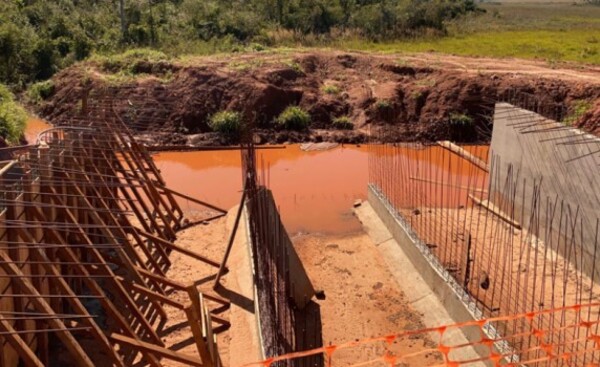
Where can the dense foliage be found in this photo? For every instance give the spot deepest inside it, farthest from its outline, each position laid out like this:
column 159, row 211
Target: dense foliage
column 12, row 117
column 39, row 37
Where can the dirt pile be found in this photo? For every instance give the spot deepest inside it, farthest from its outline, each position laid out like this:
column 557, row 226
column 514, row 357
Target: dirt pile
column 387, row 98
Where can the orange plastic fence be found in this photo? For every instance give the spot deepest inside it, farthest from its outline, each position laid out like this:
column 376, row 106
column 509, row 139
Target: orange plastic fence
column 470, row 344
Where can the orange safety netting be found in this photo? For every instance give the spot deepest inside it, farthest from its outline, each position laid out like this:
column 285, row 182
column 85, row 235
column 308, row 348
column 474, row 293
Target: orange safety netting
column 474, row 343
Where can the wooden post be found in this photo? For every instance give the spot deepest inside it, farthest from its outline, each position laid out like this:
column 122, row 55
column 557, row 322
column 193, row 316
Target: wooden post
column 194, row 314
column 231, row 237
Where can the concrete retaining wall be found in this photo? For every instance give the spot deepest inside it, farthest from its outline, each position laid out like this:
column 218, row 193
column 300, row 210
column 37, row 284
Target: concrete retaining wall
column 565, row 160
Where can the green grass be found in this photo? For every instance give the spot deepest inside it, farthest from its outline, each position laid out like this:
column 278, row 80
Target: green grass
column 129, row 61
column 529, row 16
column 330, row 89
column 293, row 118
column 572, row 45
column 226, row 122
column 552, row 32
column 342, row 123
column 576, row 110
column 382, row 104
column 460, row 119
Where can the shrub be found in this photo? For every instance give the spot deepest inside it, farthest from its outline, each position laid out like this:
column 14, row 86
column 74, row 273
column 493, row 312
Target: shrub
column 330, row 89
column 40, row 91
column 293, row 118
column 12, row 117
column 382, row 104
column 343, row 123
column 460, row 119
column 226, row 122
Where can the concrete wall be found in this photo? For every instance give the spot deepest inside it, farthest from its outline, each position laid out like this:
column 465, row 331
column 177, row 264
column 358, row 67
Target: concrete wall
column 459, row 305
column 565, row 161
column 276, row 327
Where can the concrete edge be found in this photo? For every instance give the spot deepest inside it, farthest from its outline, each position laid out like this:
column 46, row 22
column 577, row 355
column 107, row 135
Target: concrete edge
column 254, row 289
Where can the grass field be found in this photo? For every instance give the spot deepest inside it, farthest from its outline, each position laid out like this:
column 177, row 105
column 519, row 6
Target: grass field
column 551, row 32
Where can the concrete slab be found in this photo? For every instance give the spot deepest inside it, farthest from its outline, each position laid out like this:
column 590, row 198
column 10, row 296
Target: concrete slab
column 421, row 295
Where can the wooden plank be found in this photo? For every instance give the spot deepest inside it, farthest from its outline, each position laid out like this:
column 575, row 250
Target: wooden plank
column 195, row 319
column 197, row 201
column 7, row 167
column 466, row 188
column 170, row 282
column 156, row 296
column 197, row 333
column 135, row 208
column 174, row 247
column 464, row 154
column 25, row 353
column 73, row 300
column 154, row 349
column 68, row 255
column 182, row 287
column 238, row 217
column 208, row 331
column 126, row 260
column 496, row 211
column 152, row 193
column 40, row 304
column 132, row 253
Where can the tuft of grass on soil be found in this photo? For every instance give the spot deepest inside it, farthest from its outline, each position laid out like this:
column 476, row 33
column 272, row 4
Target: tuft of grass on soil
column 134, row 65
column 226, row 122
column 293, row 118
column 460, row 119
column 13, row 117
column 342, row 123
column 246, row 65
column 294, row 65
column 382, row 104
column 330, row 89
column 578, row 108
column 129, row 61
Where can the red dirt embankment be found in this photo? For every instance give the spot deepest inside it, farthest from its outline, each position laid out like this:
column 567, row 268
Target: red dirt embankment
column 417, row 98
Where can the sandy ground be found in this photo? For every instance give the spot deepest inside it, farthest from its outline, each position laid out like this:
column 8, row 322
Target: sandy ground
column 208, row 240
column 362, row 298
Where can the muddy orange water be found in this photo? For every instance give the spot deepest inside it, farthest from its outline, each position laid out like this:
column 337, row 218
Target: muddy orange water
column 414, row 176
column 314, row 190
column 34, row 127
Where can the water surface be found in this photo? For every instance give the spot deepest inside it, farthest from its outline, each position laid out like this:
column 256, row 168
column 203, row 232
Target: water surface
column 314, row 190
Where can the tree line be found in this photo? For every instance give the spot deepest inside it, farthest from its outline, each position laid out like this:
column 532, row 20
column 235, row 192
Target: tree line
column 39, row 37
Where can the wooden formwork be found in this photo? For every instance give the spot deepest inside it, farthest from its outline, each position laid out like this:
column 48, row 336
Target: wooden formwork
column 86, row 228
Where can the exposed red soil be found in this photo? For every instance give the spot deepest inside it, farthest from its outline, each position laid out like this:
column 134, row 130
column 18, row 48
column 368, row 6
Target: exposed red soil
column 414, row 97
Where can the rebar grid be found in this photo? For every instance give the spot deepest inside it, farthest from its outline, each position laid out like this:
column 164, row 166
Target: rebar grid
column 473, row 220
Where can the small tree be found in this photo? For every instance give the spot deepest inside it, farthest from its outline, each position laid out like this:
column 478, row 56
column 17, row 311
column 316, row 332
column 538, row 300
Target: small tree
column 123, row 21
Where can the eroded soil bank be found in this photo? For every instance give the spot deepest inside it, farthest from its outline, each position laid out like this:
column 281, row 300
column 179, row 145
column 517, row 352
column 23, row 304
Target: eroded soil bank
column 412, row 98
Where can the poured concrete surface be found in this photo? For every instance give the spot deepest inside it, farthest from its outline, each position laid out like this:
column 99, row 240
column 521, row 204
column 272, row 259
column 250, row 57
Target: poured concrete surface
column 244, row 338
column 417, row 290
